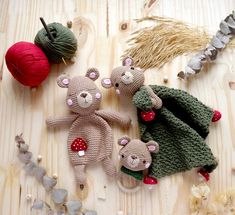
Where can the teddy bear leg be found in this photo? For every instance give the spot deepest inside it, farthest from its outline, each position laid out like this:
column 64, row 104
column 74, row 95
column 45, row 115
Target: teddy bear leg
column 80, row 174
column 109, row 167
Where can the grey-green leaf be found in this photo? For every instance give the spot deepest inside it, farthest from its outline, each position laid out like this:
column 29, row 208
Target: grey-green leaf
column 37, row 204
column 48, row 182
column 29, row 167
column 223, row 38
column 23, row 147
column 195, row 64
column 59, row 196
column 224, row 27
column 25, row 157
column 73, row 207
column 217, row 43
column 39, row 172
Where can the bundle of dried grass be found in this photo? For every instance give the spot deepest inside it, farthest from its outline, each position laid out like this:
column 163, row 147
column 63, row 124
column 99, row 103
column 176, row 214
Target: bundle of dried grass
column 155, row 46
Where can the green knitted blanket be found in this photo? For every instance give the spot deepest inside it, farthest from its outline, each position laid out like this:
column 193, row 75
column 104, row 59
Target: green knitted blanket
column 180, row 127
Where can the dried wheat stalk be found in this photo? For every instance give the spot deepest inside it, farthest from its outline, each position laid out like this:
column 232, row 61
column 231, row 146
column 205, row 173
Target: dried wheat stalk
column 155, row 46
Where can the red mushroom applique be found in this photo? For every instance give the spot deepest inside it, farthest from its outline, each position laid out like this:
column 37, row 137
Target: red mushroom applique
column 79, row 145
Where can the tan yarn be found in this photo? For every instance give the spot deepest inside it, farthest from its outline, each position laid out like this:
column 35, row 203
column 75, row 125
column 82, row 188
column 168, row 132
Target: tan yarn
column 155, row 46
column 89, row 123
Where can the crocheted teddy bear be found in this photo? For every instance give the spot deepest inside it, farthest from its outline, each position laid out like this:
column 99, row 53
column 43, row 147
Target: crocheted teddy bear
column 90, row 137
column 177, row 121
column 135, row 154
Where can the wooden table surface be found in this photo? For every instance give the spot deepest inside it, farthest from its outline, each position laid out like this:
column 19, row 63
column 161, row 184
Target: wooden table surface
column 25, row 110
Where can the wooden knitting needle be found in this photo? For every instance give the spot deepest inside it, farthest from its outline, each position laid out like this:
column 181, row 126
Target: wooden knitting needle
column 47, row 30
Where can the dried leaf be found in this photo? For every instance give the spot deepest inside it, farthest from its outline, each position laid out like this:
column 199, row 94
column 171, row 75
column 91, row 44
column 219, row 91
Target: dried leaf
column 19, row 139
column 23, row 147
column 210, row 52
column 25, row 157
column 59, row 196
column 217, row 43
column 189, row 71
column 48, row 183
column 90, row 212
column 37, row 204
column 201, row 191
column 181, row 75
column 231, row 23
column 39, row 172
column 195, row 64
column 29, row 167
column 224, row 28
column 223, row 38
column 73, row 207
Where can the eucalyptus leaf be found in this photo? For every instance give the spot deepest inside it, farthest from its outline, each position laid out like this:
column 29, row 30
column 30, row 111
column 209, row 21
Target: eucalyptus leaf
column 25, row 157
column 29, row 167
column 231, row 24
column 39, row 172
column 181, row 75
column 217, row 43
column 37, row 204
column 223, row 38
column 73, row 207
column 23, row 147
column 211, row 52
column 233, row 14
column 59, row 196
column 189, row 71
column 195, row 64
column 48, row 182
column 224, row 27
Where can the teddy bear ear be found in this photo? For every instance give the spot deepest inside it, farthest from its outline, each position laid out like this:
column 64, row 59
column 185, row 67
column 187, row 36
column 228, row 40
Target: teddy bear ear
column 123, row 140
column 152, row 146
column 92, row 73
column 63, row 81
column 127, row 61
column 106, row 83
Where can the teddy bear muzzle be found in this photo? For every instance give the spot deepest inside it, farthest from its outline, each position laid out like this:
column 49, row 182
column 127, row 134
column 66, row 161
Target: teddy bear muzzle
column 133, row 161
column 127, row 78
column 84, row 99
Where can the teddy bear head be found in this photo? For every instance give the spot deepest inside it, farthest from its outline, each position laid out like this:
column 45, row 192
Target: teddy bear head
column 135, row 154
column 83, row 96
column 125, row 79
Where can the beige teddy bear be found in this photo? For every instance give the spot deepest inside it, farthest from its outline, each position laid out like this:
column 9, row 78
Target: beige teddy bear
column 90, row 137
column 135, row 154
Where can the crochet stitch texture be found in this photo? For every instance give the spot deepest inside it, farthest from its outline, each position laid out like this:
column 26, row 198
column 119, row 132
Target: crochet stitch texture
column 180, row 128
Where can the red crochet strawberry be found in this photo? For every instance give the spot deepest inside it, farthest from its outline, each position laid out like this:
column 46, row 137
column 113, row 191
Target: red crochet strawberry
column 216, row 117
column 148, row 116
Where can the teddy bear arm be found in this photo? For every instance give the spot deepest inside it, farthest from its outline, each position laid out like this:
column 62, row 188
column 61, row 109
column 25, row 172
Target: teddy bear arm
column 156, row 101
column 60, row 121
column 112, row 116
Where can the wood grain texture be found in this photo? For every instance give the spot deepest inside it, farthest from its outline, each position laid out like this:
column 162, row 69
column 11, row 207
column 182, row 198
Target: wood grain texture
column 25, row 110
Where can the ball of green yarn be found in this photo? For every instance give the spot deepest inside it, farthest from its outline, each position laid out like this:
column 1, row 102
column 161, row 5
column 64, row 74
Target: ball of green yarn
column 62, row 48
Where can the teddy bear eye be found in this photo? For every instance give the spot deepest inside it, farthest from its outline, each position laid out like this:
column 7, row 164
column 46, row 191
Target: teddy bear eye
column 132, row 68
column 117, row 85
column 122, row 156
column 144, row 161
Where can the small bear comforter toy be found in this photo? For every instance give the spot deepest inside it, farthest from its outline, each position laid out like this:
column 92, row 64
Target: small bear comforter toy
column 90, row 137
column 177, row 121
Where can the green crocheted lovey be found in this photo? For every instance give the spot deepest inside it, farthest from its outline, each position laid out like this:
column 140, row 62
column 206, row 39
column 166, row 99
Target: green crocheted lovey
column 180, row 128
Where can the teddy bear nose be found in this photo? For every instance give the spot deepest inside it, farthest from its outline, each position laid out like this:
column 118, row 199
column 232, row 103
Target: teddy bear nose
column 133, row 157
column 83, row 95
